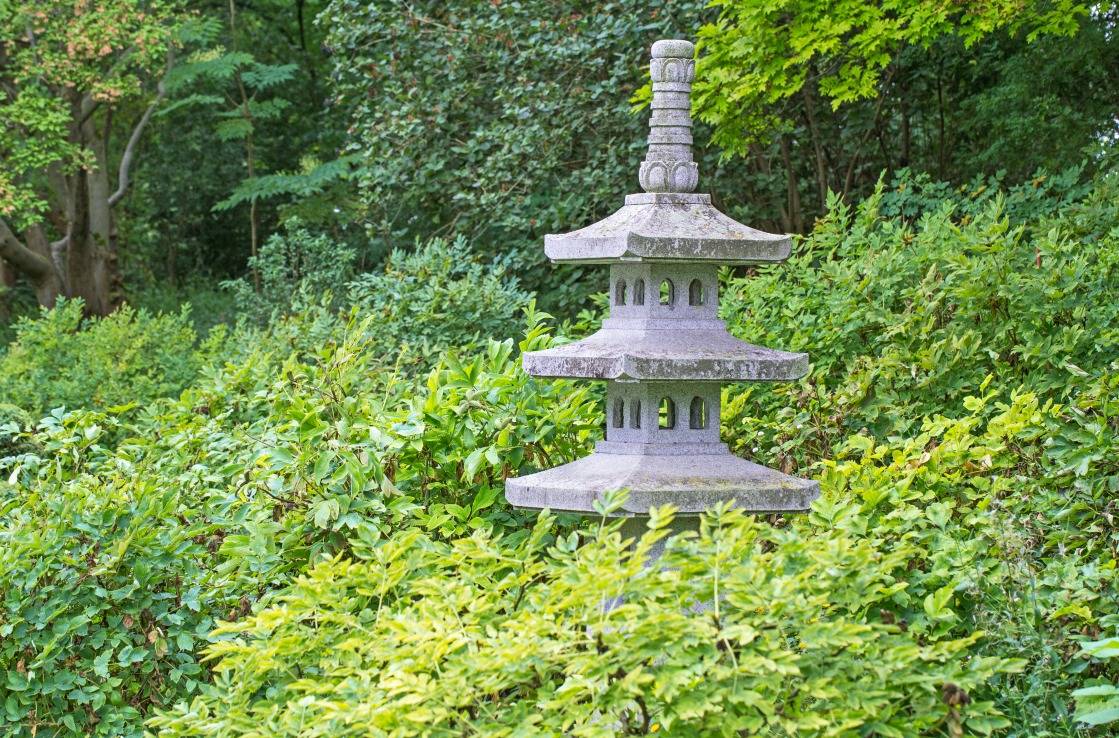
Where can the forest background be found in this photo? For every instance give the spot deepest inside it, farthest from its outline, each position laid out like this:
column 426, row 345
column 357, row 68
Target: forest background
column 265, row 270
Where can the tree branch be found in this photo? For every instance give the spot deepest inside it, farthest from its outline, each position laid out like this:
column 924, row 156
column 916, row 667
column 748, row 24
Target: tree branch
column 133, row 141
column 22, row 258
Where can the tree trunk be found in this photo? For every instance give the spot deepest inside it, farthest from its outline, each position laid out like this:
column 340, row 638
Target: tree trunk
column 32, row 257
column 793, row 190
column 822, row 183
column 940, row 163
column 49, row 286
column 7, row 281
column 903, row 160
column 89, row 259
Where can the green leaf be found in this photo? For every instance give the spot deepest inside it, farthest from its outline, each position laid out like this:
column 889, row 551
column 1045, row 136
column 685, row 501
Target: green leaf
column 325, row 512
column 1099, row 717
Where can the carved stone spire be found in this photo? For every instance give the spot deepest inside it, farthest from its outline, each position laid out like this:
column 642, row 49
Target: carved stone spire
column 668, row 165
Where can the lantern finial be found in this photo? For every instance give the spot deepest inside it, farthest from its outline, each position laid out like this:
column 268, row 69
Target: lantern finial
column 668, row 165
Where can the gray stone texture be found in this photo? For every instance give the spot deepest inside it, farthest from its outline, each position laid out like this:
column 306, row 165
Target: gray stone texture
column 693, row 484
column 664, row 324
column 668, row 227
column 663, row 349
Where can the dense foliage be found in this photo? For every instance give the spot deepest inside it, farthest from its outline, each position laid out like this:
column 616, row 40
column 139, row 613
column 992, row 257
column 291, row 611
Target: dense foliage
column 189, row 133
column 147, row 524
column 496, row 121
column 487, row 637
column 823, row 97
column 345, row 517
column 277, row 510
column 129, row 357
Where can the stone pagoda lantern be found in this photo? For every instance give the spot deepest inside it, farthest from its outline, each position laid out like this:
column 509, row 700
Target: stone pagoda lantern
column 663, row 350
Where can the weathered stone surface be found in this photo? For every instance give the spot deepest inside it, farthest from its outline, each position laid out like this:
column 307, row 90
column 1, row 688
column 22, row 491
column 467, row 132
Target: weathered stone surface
column 693, row 484
column 668, row 226
column 691, row 355
column 662, row 418
column 669, row 165
column 672, row 47
column 664, row 349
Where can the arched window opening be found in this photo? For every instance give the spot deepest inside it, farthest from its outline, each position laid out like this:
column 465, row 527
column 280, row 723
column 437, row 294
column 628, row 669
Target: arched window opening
column 697, row 414
column 620, row 292
column 667, row 414
column 639, row 292
column 619, row 413
column 635, row 413
column 695, row 293
column 668, row 293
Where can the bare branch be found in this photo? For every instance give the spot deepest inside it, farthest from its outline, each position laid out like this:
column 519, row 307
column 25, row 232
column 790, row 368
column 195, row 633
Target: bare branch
column 137, row 132
column 35, row 266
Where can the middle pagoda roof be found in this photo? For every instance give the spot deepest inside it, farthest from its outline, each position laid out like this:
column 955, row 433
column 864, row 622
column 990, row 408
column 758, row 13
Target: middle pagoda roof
column 695, row 355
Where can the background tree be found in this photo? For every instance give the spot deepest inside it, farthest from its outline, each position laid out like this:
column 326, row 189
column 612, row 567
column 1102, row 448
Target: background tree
column 192, row 232
column 832, row 94
column 236, row 90
column 79, row 82
column 497, row 121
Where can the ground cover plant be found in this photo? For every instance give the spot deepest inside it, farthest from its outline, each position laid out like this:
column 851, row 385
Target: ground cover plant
column 311, row 538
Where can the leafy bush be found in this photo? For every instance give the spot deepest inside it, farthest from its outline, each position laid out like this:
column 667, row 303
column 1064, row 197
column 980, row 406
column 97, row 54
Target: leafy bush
column 125, row 534
column 962, row 416
column 499, row 121
column 1098, row 704
column 913, row 195
column 59, row 359
column 903, row 321
column 437, row 297
column 103, row 593
column 998, row 494
column 293, row 267
column 955, row 313
column 515, row 639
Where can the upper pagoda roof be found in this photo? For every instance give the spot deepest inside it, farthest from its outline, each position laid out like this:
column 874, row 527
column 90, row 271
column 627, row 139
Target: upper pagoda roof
column 668, row 227
column 668, row 221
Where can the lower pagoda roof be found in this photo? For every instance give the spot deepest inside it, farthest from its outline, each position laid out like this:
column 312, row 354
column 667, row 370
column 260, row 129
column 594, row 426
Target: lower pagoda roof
column 692, row 484
column 655, row 355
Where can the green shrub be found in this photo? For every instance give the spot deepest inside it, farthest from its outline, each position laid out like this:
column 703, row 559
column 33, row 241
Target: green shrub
column 59, row 359
column 437, row 297
column 293, row 267
column 483, row 637
column 962, row 415
column 912, row 195
column 210, row 303
column 103, row 592
column 1098, row 703
column 903, row 321
column 930, row 551
column 125, row 534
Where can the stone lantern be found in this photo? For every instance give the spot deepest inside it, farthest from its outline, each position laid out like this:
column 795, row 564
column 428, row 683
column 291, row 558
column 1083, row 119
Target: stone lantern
column 663, row 350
